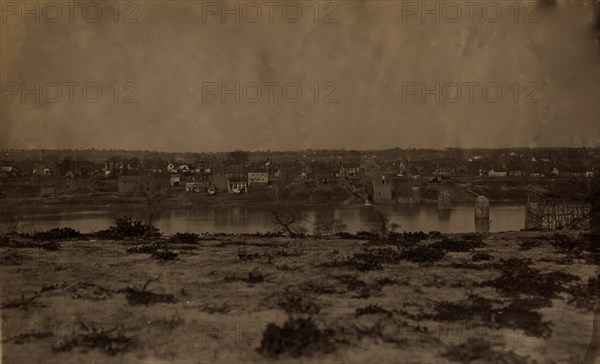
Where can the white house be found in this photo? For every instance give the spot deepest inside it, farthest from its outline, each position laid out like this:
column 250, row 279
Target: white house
column 259, row 178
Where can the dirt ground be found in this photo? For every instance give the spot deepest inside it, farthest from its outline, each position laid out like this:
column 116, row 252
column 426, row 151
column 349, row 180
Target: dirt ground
column 515, row 297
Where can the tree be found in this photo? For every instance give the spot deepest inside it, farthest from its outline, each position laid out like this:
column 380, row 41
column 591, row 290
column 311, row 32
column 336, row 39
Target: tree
column 380, row 224
column 66, row 165
column 238, row 156
column 287, row 220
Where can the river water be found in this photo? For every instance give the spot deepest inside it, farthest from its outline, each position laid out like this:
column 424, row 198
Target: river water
column 504, row 217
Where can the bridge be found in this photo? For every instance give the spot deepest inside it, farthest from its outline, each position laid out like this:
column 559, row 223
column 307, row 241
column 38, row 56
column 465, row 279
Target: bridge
column 355, row 192
column 555, row 213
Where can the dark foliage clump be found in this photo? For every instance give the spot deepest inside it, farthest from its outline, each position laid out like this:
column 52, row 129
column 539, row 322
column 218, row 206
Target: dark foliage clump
column 345, row 235
column 320, row 287
column 51, row 245
column 372, row 310
column 518, row 277
column 255, row 277
column 109, row 341
column 518, row 314
column 479, row 256
column 589, row 242
column 58, row 233
column 366, row 235
column 353, row 283
column 184, row 238
column 423, row 254
column 481, row 350
column 369, row 259
column 143, row 249
column 296, row 338
column 528, row 243
column 565, row 243
column 407, row 237
column 466, row 243
column 23, row 302
column 287, row 253
column 11, row 258
column 248, row 256
column 31, row 336
column 127, row 227
column 293, row 302
column 456, row 311
column 435, row 234
column 136, row 296
column 568, row 244
column 164, row 254
column 586, row 295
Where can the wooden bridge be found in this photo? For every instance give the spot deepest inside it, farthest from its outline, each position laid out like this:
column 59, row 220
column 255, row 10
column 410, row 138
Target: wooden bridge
column 355, row 192
column 543, row 212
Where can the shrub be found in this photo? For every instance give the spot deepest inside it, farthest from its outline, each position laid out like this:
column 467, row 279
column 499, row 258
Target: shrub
column 164, row 255
column 372, row 310
column 518, row 277
column 184, row 238
column 481, row 350
column 136, row 296
column 481, row 256
column 296, row 338
column 127, row 227
column 586, row 295
column 109, row 341
column 58, row 233
column 294, row 302
column 467, row 242
column 422, row 254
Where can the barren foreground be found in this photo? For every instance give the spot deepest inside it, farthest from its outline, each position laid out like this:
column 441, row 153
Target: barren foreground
column 517, row 297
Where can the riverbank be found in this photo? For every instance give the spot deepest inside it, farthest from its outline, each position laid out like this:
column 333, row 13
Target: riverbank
column 518, row 297
column 461, row 190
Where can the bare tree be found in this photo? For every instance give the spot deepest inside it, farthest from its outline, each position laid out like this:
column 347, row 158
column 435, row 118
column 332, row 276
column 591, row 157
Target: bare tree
column 288, row 220
column 11, row 218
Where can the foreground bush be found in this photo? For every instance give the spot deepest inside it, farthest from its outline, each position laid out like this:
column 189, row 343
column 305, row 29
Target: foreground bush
column 58, row 233
column 295, row 338
column 127, row 227
column 184, row 238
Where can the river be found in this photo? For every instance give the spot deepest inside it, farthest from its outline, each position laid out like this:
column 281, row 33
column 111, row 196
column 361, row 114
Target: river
column 504, row 217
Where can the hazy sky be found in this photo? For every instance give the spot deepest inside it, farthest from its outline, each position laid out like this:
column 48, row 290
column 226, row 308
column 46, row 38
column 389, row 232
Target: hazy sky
column 374, row 58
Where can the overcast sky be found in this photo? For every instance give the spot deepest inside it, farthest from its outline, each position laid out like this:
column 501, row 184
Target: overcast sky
column 369, row 59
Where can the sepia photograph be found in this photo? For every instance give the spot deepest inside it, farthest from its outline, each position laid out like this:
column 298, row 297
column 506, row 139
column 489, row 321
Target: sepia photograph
column 300, row 181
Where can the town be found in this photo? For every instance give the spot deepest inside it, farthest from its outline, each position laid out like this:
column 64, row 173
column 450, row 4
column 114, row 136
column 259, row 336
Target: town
column 410, row 176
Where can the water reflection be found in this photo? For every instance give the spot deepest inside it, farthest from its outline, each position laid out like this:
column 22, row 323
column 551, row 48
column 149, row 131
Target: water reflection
column 482, row 225
column 236, row 219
